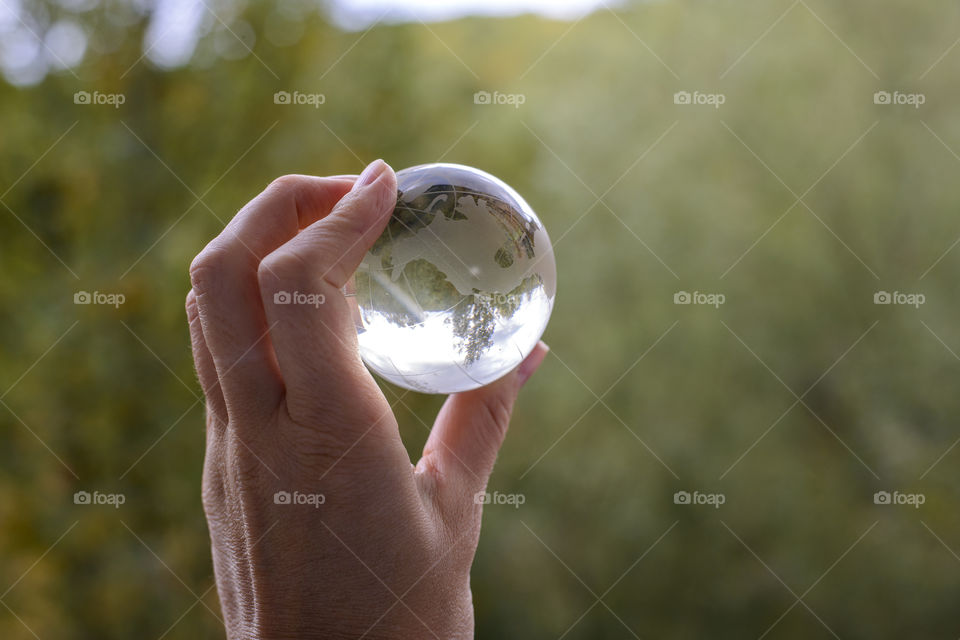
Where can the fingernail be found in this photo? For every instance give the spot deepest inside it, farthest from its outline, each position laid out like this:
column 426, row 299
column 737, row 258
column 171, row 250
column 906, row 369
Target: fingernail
column 373, row 171
column 532, row 362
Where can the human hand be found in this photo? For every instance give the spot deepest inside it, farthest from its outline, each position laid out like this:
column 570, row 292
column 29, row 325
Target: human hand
column 377, row 547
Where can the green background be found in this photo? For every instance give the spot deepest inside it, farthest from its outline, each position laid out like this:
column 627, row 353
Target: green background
column 797, row 399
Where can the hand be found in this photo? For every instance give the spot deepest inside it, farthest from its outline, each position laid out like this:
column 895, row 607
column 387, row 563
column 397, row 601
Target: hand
column 368, row 545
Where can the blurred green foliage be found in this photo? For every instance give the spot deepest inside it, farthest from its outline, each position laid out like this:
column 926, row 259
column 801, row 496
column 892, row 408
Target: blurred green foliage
column 641, row 397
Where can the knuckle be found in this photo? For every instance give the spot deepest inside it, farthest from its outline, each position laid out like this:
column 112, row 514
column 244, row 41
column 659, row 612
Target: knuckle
column 313, row 435
column 279, row 267
column 494, row 419
column 207, row 269
column 312, row 449
column 301, row 193
column 288, row 184
column 289, row 189
column 193, row 311
column 496, row 411
column 310, row 419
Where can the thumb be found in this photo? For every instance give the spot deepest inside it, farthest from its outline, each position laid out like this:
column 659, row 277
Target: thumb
column 320, row 259
column 339, row 241
column 471, row 426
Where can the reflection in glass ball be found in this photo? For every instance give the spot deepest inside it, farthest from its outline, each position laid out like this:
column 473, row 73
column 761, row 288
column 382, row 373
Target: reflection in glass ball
column 459, row 287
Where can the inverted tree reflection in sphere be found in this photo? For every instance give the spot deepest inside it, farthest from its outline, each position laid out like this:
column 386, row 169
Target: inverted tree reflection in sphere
column 459, row 287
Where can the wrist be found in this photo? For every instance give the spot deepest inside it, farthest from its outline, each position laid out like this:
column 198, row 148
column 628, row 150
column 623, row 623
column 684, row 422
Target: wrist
column 349, row 623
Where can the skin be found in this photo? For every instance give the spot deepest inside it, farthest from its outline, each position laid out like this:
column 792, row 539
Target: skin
column 380, row 547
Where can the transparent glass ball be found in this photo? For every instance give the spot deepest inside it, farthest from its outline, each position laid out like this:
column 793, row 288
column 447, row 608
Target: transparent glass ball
column 458, row 289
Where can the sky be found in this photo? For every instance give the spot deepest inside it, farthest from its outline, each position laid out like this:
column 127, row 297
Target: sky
column 360, row 13
column 31, row 46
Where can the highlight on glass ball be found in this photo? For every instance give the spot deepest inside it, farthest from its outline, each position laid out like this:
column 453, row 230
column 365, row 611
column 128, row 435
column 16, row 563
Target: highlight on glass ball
column 459, row 287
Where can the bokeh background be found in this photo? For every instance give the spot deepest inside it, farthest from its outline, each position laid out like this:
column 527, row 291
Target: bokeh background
column 798, row 199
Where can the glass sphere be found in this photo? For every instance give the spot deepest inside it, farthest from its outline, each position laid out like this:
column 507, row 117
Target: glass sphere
column 458, row 289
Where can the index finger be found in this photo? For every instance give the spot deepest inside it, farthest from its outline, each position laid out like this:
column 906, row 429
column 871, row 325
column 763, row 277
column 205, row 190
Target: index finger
column 224, row 279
